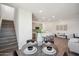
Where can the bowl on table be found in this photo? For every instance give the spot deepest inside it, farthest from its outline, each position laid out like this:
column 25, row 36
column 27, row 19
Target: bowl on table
column 49, row 48
column 30, row 48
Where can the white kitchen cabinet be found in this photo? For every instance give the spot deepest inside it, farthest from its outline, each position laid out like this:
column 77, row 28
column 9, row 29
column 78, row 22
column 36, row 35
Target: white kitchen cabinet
column 7, row 12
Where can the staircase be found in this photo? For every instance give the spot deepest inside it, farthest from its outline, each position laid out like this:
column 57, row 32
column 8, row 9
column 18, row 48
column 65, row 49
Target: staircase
column 8, row 41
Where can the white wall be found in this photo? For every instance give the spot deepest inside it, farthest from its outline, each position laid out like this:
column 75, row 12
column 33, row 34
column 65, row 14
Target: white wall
column 23, row 25
column 47, row 26
column 72, row 25
column 7, row 12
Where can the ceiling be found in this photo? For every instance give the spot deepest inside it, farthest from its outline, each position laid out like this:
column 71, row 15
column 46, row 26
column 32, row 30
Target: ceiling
column 50, row 11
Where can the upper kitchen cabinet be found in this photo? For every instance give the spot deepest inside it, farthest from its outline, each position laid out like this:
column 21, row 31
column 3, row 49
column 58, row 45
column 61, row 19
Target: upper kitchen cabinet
column 7, row 12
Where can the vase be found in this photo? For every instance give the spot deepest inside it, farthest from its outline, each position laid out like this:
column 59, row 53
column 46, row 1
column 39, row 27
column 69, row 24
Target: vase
column 39, row 39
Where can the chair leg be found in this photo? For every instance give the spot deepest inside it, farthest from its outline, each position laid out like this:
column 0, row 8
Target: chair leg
column 15, row 53
column 65, row 54
column 68, row 51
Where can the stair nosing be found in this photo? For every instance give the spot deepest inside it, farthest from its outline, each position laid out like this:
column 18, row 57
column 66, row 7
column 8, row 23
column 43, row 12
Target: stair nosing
column 8, row 44
column 2, row 38
column 8, row 41
column 8, row 48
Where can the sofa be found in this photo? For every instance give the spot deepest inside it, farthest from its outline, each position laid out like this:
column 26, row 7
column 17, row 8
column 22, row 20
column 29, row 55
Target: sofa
column 61, row 35
column 73, row 45
column 69, row 35
column 64, row 35
column 76, row 35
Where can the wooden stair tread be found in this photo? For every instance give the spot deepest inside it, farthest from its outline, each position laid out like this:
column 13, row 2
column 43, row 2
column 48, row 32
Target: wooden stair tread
column 12, row 48
column 7, row 41
column 8, row 37
column 7, row 44
column 6, row 50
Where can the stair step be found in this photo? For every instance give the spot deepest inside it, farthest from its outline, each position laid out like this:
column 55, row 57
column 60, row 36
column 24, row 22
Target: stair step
column 7, row 42
column 8, row 49
column 7, row 54
column 7, row 38
column 8, row 45
column 7, row 34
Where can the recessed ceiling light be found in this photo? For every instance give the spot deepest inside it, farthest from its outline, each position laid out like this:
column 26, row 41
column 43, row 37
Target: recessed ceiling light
column 40, row 11
column 53, row 16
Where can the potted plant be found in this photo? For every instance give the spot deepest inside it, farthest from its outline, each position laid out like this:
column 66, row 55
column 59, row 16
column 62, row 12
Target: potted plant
column 39, row 32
